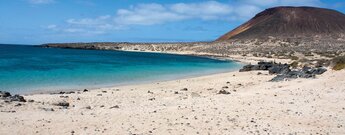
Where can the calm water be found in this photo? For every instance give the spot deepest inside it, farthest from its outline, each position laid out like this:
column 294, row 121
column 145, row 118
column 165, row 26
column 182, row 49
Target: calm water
column 24, row 69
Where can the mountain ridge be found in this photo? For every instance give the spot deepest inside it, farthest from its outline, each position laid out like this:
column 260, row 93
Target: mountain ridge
column 290, row 22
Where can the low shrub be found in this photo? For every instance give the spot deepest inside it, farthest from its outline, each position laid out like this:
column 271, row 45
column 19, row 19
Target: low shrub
column 339, row 63
column 294, row 58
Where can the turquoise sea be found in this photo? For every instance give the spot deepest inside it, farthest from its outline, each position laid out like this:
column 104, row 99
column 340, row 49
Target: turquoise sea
column 26, row 69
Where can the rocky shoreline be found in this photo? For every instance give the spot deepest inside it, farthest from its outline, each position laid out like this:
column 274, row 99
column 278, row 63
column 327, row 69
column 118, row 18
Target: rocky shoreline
column 284, row 71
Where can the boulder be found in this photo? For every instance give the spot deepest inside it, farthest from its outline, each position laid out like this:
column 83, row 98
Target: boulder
column 17, row 98
column 279, row 69
column 224, row 92
column 4, row 94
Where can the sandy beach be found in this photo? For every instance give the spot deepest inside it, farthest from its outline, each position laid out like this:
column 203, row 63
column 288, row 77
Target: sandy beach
column 189, row 106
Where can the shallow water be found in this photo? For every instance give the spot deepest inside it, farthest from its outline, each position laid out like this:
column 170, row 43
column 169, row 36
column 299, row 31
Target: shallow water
column 24, row 69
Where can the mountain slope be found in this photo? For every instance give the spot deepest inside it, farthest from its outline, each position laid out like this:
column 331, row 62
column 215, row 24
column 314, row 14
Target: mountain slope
column 290, row 22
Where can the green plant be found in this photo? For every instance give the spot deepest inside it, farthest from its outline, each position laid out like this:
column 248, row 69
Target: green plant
column 339, row 63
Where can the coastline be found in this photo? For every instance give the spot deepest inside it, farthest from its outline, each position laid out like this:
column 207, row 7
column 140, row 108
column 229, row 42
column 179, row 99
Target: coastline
column 243, row 60
column 241, row 63
column 193, row 105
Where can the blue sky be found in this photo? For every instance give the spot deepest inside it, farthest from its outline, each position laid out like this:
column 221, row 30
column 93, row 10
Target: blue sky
column 45, row 21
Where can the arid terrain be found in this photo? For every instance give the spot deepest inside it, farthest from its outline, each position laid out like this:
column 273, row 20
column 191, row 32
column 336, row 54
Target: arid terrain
column 233, row 103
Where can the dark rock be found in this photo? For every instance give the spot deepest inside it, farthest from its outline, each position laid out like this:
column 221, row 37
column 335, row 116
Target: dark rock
column 278, row 78
column 225, row 87
column 19, row 104
column 88, row 107
column 279, row 69
column 316, row 71
column 116, row 106
column 63, row 96
column 85, row 90
column 4, row 94
column 99, row 94
column 63, row 104
column 293, row 75
column 176, row 92
column 223, row 92
column 17, row 98
column 70, row 92
column 283, row 71
column 259, row 66
column 30, row 100
column 48, row 109
column 247, row 68
column 184, row 89
column 9, row 111
column 151, row 99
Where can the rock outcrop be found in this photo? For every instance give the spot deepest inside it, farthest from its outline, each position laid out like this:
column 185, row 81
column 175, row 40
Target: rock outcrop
column 284, row 71
column 7, row 97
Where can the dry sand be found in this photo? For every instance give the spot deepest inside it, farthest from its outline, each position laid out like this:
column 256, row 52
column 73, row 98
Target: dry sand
column 254, row 106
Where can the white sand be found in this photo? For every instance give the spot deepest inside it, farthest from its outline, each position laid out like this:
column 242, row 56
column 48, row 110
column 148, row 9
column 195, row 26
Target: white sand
column 255, row 106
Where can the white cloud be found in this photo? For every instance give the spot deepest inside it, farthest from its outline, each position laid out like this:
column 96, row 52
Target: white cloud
column 146, row 14
column 52, row 26
column 41, row 1
column 204, row 10
column 154, row 13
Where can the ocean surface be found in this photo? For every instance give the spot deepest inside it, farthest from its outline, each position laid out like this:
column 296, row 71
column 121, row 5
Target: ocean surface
column 27, row 69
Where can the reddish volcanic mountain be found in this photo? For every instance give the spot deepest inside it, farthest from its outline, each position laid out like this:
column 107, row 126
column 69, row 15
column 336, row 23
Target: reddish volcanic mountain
column 289, row 22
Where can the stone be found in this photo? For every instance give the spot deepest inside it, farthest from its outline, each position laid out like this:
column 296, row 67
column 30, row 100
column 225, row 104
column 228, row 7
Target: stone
column 116, row 106
column 279, row 69
column 63, row 104
column 184, row 89
column 85, row 90
column 4, row 94
column 283, row 71
column 48, row 109
column 17, row 98
column 223, row 92
column 88, row 107
column 70, row 92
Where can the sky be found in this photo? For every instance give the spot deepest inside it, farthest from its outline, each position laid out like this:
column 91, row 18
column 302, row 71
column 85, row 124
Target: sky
column 57, row 21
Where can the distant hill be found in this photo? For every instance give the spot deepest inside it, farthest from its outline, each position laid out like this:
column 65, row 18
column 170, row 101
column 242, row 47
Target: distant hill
column 291, row 22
